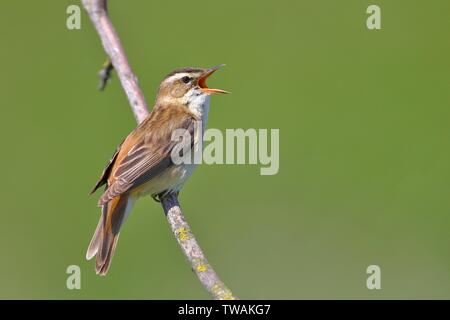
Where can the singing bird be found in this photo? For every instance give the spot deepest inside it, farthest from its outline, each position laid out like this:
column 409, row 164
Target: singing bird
column 142, row 164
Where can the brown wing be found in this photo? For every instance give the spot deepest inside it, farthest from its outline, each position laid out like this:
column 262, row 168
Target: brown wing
column 105, row 174
column 147, row 151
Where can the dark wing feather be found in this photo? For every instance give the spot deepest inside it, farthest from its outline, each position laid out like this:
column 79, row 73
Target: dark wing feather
column 151, row 153
column 105, row 174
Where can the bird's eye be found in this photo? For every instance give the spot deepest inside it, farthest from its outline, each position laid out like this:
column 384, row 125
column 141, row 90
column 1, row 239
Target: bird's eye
column 186, row 79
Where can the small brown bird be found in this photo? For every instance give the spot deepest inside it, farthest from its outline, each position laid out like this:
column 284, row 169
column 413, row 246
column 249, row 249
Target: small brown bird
column 142, row 165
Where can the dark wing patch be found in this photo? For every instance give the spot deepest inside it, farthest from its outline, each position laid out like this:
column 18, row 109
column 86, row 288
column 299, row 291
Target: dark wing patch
column 106, row 172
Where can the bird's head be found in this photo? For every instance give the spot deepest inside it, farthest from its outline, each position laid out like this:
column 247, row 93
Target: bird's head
column 184, row 85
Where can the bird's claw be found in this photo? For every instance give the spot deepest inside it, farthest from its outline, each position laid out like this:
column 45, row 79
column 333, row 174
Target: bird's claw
column 158, row 196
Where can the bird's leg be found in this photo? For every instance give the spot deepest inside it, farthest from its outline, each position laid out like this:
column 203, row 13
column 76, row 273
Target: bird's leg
column 158, row 196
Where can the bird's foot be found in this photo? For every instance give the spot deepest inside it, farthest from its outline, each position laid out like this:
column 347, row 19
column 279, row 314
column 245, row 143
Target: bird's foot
column 158, row 196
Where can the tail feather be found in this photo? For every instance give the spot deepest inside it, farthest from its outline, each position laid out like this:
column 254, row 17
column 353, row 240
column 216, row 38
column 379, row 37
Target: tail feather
column 97, row 237
column 103, row 261
column 105, row 238
column 95, row 241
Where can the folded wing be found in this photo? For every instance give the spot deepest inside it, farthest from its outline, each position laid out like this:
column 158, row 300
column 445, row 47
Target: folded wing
column 147, row 151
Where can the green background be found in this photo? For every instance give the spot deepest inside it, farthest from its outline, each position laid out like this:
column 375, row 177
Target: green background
column 364, row 149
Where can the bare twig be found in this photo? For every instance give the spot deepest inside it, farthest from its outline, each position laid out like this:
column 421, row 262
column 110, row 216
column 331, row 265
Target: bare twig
column 111, row 43
column 105, row 74
column 192, row 250
column 98, row 13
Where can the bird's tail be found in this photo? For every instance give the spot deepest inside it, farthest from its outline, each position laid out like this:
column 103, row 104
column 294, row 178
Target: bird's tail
column 106, row 234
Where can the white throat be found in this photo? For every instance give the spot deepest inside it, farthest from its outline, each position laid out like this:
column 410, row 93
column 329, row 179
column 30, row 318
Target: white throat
column 198, row 103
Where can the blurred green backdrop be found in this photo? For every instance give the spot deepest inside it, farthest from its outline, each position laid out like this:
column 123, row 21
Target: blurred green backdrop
column 364, row 164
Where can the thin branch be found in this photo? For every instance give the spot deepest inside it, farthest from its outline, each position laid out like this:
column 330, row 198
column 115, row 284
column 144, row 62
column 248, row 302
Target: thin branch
column 186, row 239
column 98, row 13
column 111, row 43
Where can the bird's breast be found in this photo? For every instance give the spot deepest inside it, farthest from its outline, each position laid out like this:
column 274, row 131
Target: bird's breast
column 171, row 178
column 176, row 175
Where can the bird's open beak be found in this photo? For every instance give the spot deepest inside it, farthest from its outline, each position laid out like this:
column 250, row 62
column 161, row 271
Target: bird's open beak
column 202, row 81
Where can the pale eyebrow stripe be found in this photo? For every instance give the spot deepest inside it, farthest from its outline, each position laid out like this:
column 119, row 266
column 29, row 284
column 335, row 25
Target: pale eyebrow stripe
column 177, row 76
